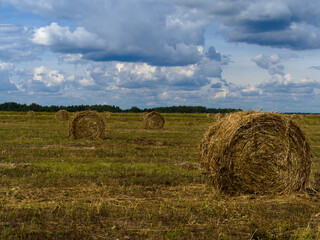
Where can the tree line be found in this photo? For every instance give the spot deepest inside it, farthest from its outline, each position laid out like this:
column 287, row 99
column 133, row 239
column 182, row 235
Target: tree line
column 12, row 106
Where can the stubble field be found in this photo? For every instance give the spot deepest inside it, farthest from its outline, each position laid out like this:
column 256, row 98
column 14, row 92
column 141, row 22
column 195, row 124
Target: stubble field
column 134, row 184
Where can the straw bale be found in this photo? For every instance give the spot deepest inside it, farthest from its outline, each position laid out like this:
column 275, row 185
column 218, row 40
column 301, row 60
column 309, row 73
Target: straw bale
column 208, row 115
column 31, row 114
column 143, row 115
column 87, row 124
column 253, row 152
column 153, row 120
column 106, row 115
column 62, row 115
column 297, row 117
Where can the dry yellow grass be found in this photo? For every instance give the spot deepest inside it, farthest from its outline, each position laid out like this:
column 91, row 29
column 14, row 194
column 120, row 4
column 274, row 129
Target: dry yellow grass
column 218, row 116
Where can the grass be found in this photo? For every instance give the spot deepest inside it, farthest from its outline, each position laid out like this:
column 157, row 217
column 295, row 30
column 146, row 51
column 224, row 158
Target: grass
column 134, row 184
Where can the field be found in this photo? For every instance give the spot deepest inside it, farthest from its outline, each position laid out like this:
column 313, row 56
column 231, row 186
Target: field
column 134, row 184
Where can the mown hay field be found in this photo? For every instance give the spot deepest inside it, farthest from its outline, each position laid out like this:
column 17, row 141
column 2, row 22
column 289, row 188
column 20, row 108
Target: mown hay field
column 135, row 184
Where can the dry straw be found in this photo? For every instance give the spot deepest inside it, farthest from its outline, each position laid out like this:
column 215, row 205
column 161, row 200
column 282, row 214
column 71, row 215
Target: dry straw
column 87, row 124
column 218, row 116
column 153, row 120
column 253, row 152
column 62, row 115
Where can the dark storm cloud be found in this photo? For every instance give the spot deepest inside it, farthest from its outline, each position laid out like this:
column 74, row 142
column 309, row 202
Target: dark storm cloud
column 170, row 33
column 156, row 32
column 292, row 24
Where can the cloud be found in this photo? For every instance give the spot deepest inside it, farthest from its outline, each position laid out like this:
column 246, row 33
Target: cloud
column 60, row 39
column 5, row 83
column 143, row 75
column 48, row 77
column 271, row 63
column 291, row 24
column 72, row 59
column 156, row 32
column 140, row 84
column 289, row 86
column 43, row 80
column 170, row 33
column 15, row 44
column 315, row 67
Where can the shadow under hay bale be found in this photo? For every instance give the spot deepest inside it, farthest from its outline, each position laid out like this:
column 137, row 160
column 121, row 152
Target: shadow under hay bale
column 62, row 115
column 153, row 120
column 253, row 152
column 87, row 124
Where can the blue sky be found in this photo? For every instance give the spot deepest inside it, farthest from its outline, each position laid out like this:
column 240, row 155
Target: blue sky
column 249, row 54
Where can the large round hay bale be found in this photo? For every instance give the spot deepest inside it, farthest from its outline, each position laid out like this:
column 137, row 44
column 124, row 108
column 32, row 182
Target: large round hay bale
column 31, row 114
column 153, row 120
column 253, row 152
column 62, row 115
column 87, row 124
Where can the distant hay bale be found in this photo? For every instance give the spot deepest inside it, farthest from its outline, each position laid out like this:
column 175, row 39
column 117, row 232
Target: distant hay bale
column 143, row 115
column 208, row 115
column 153, row 120
column 297, row 117
column 31, row 114
column 87, row 124
column 62, row 115
column 106, row 115
column 253, row 152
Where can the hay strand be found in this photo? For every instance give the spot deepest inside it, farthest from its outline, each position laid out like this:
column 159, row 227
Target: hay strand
column 218, row 116
column 62, row 115
column 153, row 120
column 253, row 152
column 87, row 124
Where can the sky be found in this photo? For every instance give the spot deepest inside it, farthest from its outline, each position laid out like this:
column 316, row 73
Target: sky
column 248, row 54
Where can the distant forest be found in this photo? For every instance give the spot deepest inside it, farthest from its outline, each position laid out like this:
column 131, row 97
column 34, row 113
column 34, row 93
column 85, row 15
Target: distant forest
column 12, row 106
